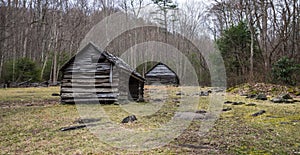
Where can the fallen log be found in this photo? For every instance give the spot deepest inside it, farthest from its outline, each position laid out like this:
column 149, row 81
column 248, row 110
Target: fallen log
column 72, row 128
column 259, row 113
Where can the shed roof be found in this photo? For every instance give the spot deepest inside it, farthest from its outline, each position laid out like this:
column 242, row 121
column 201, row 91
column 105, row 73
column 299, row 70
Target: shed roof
column 161, row 69
column 110, row 57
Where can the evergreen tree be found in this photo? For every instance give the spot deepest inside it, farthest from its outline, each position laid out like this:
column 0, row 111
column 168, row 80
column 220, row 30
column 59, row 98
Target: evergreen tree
column 234, row 45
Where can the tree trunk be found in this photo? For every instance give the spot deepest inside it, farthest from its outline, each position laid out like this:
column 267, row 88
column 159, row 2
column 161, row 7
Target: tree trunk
column 44, row 66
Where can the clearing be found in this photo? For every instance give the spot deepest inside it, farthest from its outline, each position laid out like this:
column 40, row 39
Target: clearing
column 31, row 119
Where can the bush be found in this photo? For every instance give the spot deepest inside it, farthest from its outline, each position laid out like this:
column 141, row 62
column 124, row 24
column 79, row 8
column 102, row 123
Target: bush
column 23, row 70
column 284, row 71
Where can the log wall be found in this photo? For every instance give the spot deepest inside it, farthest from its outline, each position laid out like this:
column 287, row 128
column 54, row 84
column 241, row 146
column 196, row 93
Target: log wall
column 91, row 77
column 161, row 74
column 87, row 80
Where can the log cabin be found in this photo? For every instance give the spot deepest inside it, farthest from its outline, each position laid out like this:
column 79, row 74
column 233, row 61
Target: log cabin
column 97, row 76
column 161, row 74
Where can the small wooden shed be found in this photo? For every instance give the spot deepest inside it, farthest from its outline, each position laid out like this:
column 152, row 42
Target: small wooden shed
column 161, row 74
column 94, row 75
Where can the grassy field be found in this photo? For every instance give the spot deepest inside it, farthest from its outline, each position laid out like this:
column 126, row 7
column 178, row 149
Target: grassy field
column 31, row 118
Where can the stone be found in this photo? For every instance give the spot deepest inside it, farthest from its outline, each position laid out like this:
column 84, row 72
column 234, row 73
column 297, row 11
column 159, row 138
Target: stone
column 283, row 99
column 227, row 109
column 261, row 97
column 238, row 103
column 259, row 113
column 251, row 104
column 128, row 119
column 201, row 111
column 228, row 102
column 289, row 101
column 157, row 100
column 251, row 96
column 277, row 100
column 176, row 101
column 179, row 93
column 55, row 94
column 286, row 96
column 204, row 93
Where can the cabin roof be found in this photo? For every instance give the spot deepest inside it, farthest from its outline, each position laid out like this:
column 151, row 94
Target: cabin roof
column 160, row 69
column 110, row 57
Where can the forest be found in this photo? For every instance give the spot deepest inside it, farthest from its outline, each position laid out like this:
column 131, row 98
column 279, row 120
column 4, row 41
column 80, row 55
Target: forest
column 259, row 39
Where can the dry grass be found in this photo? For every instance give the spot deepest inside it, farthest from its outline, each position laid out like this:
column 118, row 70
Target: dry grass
column 35, row 129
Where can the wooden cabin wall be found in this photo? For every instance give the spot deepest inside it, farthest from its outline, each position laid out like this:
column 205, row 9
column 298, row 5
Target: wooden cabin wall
column 161, row 74
column 130, row 88
column 85, row 80
column 123, row 85
column 167, row 80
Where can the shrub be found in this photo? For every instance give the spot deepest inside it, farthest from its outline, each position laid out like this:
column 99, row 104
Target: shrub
column 22, row 70
column 284, row 71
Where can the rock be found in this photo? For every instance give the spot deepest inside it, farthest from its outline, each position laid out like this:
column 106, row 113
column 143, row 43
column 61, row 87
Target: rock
column 128, row 119
column 228, row 102
column 277, row 100
column 289, row 101
column 176, row 101
column 218, row 89
column 284, row 122
column 55, row 94
column 179, row 93
column 251, row 104
column 286, row 96
column 261, row 97
column 251, row 96
column 227, row 109
column 238, row 103
column 204, row 93
column 283, row 99
column 259, row 113
column 157, row 100
column 34, row 84
column 296, row 100
column 201, row 112
column 244, row 95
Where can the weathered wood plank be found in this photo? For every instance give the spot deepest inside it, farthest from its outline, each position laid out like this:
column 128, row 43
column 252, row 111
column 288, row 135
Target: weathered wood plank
column 90, row 90
column 89, row 95
column 96, row 81
column 89, row 100
column 87, row 76
column 88, row 72
column 88, row 85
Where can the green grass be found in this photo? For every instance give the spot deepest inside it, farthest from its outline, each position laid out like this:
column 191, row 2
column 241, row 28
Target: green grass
column 19, row 96
column 34, row 129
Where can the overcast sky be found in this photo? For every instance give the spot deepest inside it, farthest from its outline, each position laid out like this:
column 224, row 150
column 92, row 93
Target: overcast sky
column 189, row 1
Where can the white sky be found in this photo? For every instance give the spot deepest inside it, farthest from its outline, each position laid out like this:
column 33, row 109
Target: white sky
column 189, row 1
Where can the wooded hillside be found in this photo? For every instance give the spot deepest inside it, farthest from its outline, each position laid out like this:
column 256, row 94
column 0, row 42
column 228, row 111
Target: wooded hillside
column 259, row 40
